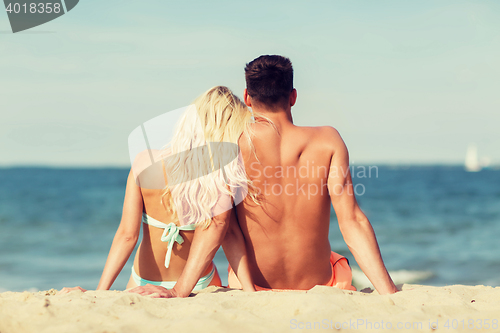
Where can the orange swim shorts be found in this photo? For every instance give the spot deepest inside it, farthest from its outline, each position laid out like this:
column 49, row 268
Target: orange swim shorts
column 341, row 275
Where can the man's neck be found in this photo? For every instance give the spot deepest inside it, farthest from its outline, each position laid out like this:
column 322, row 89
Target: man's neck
column 279, row 116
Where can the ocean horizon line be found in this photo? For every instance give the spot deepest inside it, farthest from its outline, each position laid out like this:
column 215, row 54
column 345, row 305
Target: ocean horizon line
column 122, row 166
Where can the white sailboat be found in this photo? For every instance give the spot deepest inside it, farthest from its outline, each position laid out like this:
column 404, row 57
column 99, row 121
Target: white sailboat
column 472, row 159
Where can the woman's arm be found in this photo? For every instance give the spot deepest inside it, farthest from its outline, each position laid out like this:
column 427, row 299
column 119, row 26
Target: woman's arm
column 236, row 253
column 126, row 236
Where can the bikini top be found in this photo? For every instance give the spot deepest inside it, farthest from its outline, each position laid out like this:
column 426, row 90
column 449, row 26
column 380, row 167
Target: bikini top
column 170, row 234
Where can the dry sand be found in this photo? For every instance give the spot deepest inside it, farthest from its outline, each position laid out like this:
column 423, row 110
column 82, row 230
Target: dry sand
column 414, row 309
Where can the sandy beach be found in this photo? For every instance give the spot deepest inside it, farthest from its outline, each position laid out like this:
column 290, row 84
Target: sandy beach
column 415, row 309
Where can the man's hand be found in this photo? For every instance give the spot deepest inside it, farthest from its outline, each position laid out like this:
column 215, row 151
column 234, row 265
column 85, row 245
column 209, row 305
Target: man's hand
column 66, row 290
column 154, row 291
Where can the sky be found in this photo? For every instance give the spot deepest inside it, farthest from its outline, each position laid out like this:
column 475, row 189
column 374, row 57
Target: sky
column 404, row 82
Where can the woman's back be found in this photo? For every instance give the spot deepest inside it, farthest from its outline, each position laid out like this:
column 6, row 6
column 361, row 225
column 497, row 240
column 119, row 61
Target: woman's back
column 150, row 259
column 159, row 234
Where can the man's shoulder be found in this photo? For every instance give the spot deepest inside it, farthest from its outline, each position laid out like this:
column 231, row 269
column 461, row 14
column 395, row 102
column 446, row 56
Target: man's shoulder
column 321, row 133
column 325, row 130
column 324, row 138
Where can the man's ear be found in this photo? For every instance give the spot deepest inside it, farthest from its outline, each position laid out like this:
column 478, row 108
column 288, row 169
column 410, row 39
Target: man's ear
column 247, row 98
column 293, row 97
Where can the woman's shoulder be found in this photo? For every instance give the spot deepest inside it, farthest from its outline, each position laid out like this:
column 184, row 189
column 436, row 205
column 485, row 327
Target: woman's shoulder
column 148, row 169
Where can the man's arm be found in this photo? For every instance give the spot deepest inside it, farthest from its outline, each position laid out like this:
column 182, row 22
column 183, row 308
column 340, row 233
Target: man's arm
column 354, row 225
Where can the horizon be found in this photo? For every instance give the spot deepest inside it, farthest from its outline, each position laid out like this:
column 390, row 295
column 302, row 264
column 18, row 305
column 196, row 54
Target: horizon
column 494, row 167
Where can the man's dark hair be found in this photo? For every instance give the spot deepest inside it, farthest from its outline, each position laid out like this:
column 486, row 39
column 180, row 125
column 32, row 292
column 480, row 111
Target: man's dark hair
column 269, row 78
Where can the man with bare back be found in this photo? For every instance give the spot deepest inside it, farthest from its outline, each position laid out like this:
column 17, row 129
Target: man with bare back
column 297, row 172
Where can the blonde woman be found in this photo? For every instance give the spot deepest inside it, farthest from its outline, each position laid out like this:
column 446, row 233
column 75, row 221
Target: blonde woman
column 193, row 204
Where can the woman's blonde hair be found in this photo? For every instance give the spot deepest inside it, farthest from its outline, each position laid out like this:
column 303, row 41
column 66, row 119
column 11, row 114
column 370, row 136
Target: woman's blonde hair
column 203, row 166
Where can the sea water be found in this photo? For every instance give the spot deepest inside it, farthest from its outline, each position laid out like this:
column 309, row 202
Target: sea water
column 435, row 225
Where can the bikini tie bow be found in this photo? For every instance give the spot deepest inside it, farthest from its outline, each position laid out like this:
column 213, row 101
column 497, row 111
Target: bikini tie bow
column 171, row 235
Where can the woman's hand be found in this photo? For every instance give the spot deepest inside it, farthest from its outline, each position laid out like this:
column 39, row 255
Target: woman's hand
column 154, row 291
column 66, row 290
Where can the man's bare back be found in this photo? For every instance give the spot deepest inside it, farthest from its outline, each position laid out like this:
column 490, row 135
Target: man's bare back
column 298, row 171
column 287, row 235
